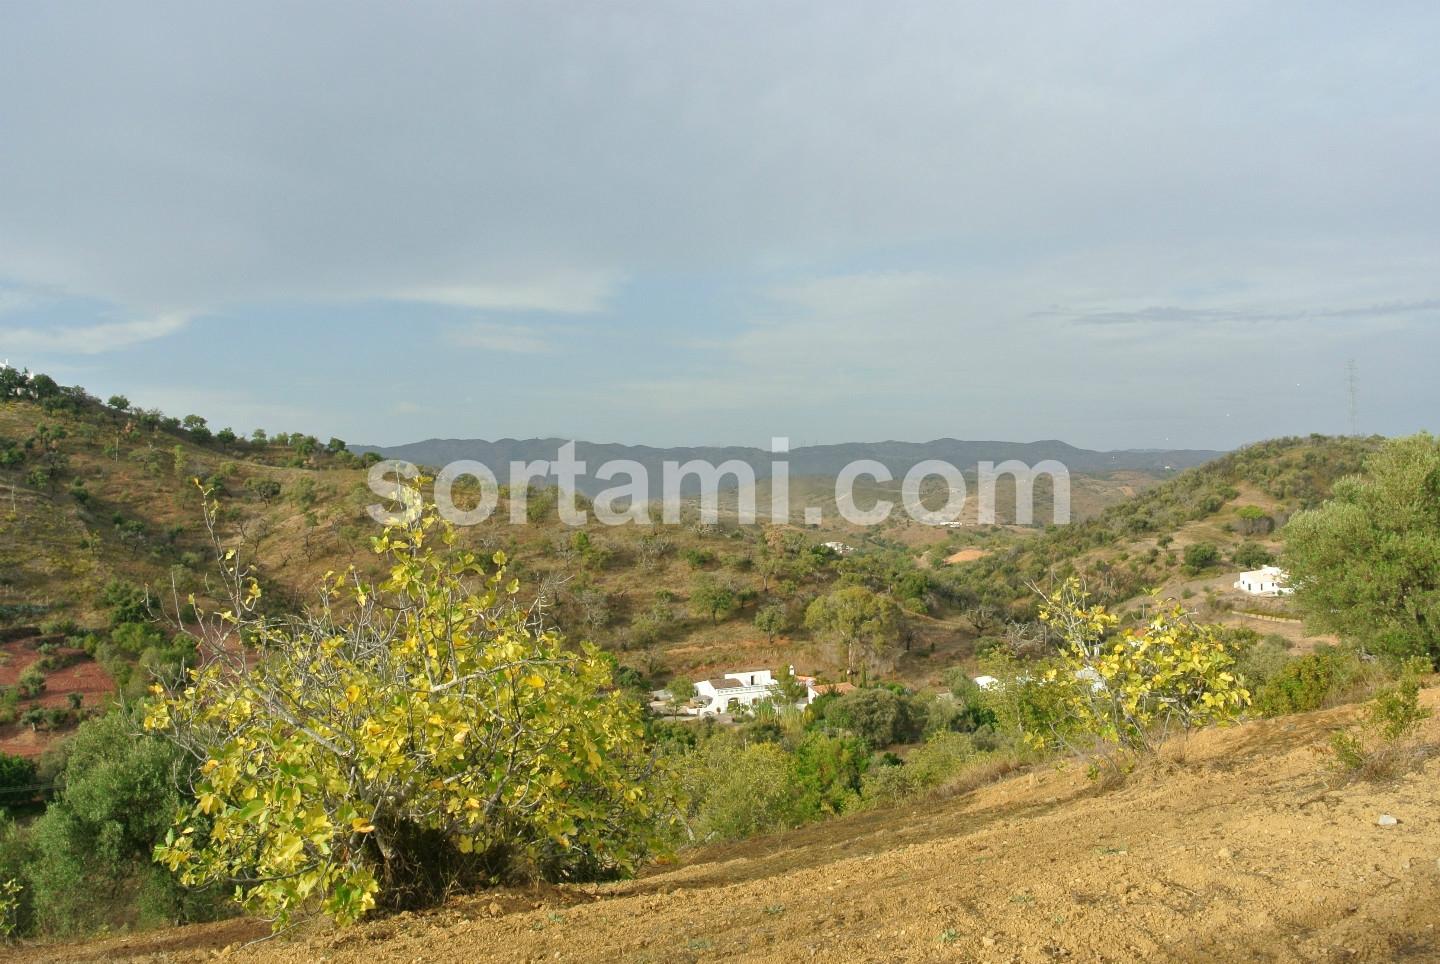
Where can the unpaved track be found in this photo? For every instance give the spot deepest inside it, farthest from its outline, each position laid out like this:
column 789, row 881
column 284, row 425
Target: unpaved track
column 1230, row 849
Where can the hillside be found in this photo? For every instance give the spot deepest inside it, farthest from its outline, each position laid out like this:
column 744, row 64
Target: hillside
column 97, row 499
column 116, row 506
column 1236, row 505
column 1230, row 847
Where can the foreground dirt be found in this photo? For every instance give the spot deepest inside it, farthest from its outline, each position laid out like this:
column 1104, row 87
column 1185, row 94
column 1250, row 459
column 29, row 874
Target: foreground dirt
column 1234, row 848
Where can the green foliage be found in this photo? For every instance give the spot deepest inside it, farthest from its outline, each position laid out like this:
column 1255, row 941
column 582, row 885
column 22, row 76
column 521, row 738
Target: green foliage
column 1317, row 679
column 1199, row 556
column 91, row 865
column 827, row 773
column 32, row 682
column 10, row 908
column 864, row 624
column 942, row 757
column 127, row 602
column 712, row 598
column 738, row 788
column 772, row 620
column 1366, row 565
column 1261, row 660
column 1382, row 747
column 1252, row 555
column 881, row 717
column 17, row 780
column 431, row 737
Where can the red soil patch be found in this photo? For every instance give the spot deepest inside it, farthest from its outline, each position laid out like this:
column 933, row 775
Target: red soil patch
column 83, row 676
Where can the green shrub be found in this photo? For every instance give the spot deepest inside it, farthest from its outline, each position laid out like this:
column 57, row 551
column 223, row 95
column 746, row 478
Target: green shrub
column 879, row 716
column 1383, row 745
column 1252, row 555
column 929, row 766
column 17, row 780
column 1200, row 556
column 32, row 682
column 1262, row 660
column 738, row 791
column 118, row 792
column 828, row 771
column 1317, row 679
column 59, row 626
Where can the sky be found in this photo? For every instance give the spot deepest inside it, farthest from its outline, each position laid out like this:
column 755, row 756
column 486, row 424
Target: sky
column 1124, row 225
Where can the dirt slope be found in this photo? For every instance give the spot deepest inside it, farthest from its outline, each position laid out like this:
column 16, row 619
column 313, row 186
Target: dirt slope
column 1232, row 848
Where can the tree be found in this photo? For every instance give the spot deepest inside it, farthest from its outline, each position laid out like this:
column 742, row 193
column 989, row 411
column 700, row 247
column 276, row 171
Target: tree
column 119, row 402
column 1131, row 690
column 118, row 792
column 43, row 387
column 17, row 780
column 878, row 716
column 682, row 691
column 1252, row 555
column 266, row 490
column 1200, row 556
column 788, row 689
column 712, row 598
column 865, row 624
column 1366, row 564
column 197, row 427
column 335, row 446
column 772, row 620
column 983, row 617
column 433, row 736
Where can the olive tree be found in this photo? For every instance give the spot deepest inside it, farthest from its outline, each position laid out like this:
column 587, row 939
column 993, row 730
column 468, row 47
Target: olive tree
column 1366, row 564
column 862, row 623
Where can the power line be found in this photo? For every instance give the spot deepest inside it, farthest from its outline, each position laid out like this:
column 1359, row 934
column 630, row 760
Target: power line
column 1353, row 372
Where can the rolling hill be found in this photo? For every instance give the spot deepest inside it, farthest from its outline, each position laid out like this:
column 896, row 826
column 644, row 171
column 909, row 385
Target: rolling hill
column 115, row 505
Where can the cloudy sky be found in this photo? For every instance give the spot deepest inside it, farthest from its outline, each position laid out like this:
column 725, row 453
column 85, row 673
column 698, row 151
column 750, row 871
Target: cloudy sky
column 1120, row 224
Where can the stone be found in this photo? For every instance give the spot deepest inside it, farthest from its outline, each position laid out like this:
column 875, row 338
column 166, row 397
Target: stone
column 1387, row 821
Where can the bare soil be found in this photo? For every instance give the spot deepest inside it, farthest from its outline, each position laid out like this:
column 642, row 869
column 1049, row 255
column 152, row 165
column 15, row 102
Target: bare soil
column 1237, row 845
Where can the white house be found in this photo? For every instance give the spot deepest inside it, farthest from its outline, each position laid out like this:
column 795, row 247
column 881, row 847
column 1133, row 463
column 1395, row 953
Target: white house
column 1265, row 581
column 725, row 694
column 839, row 548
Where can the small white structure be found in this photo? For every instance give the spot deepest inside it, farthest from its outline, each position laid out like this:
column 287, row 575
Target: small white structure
column 839, row 548
column 986, row 682
column 1265, row 581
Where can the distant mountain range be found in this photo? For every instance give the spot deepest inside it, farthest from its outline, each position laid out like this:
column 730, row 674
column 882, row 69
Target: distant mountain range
column 810, row 460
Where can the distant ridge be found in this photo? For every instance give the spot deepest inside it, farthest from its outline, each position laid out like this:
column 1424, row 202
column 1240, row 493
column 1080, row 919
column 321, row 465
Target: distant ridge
column 810, row 460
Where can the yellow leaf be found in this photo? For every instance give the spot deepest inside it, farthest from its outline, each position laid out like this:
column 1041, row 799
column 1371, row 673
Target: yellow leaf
column 361, row 825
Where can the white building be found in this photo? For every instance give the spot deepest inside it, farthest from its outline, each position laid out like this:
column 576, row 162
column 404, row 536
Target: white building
column 1265, row 581
column 839, row 548
column 725, row 694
